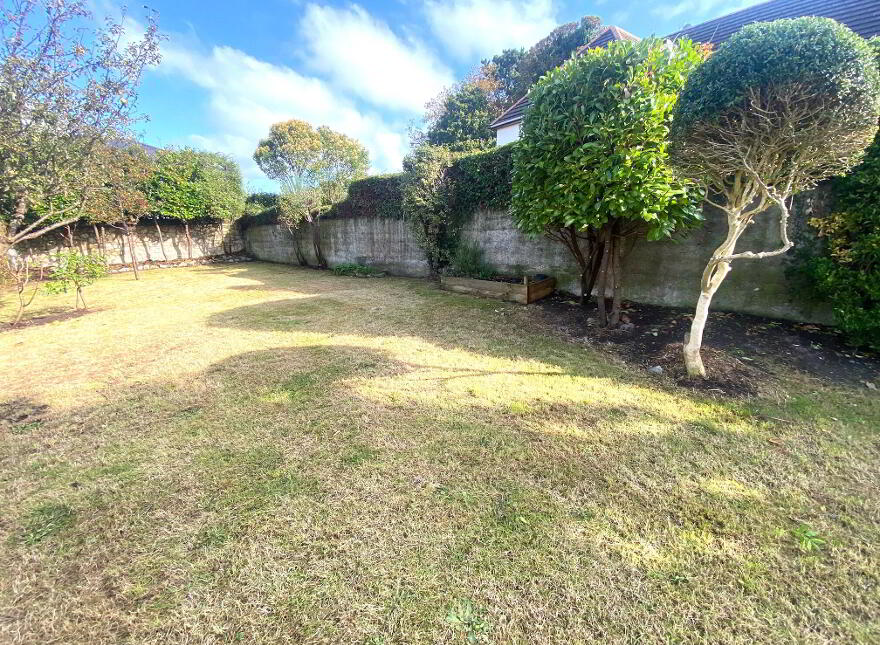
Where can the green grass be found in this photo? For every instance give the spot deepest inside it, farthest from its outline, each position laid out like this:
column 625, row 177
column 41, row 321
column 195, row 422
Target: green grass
column 259, row 453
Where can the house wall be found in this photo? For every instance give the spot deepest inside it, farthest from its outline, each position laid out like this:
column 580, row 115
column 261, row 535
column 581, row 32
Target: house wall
column 664, row 273
column 507, row 134
column 208, row 239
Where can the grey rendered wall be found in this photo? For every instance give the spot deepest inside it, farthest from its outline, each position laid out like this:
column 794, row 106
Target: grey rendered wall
column 663, row 273
column 208, row 239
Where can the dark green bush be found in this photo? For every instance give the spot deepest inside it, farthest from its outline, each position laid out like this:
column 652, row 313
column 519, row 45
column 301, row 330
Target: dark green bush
column 377, row 196
column 848, row 272
column 483, row 180
column 356, row 270
column 260, row 208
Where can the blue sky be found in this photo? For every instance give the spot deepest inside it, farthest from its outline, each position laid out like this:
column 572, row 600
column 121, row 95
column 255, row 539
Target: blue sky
column 232, row 68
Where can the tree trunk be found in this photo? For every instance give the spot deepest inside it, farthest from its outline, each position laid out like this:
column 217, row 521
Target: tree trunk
column 603, row 277
column 297, row 248
column 713, row 275
column 617, row 291
column 16, row 220
column 79, row 297
column 161, row 238
column 134, row 264
column 597, row 248
column 189, row 242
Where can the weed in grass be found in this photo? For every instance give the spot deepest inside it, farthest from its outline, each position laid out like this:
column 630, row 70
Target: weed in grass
column 45, row 521
column 358, row 454
column 24, row 428
column 213, row 535
column 357, row 270
column 808, row 539
column 464, row 617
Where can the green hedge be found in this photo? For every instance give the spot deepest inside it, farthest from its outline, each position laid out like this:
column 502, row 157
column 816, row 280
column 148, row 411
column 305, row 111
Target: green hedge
column 483, row 180
column 259, row 208
column 377, row 196
column 480, row 180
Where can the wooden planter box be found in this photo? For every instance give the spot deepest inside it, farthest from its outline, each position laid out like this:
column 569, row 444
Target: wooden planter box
column 525, row 292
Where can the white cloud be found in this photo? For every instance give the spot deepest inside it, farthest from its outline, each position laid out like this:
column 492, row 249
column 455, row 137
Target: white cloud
column 472, row 29
column 363, row 56
column 247, row 95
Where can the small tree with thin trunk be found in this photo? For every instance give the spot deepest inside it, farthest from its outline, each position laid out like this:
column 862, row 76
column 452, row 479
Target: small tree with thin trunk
column 780, row 107
column 314, row 167
column 590, row 169
column 122, row 199
column 75, row 270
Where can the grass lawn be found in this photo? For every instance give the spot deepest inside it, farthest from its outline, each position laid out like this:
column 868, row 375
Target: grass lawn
column 259, row 453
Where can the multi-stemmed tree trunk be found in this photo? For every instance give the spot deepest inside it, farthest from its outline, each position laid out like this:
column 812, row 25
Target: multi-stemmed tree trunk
column 755, row 132
column 601, row 265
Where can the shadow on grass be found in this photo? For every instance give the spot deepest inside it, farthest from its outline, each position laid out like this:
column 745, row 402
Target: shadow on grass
column 46, row 317
column 341, row 492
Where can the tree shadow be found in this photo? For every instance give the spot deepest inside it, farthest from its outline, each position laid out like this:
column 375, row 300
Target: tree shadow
column 318, row 481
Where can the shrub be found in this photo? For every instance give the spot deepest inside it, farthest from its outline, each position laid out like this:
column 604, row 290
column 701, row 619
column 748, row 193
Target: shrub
column 469, row 262
column 357, row 270
column 848, row 274
column 427, row 203
column 76, row 270
column 591, row 163
column 779, row 107
column 376, row 196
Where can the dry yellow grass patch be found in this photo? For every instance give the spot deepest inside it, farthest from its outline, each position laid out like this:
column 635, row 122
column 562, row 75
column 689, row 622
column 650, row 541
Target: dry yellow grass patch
column 258, row 453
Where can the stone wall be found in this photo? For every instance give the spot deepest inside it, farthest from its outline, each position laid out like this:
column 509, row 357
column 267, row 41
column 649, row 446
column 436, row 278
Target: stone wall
column 664, row 273
column 208, row 239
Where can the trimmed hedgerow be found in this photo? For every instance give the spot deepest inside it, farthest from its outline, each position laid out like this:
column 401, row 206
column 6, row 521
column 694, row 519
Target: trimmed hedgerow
column 377, row 196
column 260, row 208
column 848, row 272
column 483, row 180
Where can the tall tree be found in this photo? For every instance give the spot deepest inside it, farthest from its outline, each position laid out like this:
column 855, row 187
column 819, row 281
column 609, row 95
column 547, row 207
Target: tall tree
column 459, row 117
column 591, row 165
column 779, row 107
column 553, row 50
column 314, row 168
column 65, row 87
column 503, row 69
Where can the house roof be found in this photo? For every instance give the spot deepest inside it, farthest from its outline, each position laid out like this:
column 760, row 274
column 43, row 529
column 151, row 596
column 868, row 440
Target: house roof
column 862, row 16
column 514, row 114
column 608, row 34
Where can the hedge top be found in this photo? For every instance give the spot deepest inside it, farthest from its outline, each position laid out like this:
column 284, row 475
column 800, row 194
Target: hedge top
column 829, row 57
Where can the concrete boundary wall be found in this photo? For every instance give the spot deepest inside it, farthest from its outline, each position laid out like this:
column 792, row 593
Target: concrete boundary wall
column 663, row 273
column 208, row 239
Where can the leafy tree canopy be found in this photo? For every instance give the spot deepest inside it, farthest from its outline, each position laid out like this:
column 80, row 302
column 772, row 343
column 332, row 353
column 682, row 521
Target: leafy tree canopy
column 64, row 88
column 188, row 184
column 553, row 50
column 593, row 144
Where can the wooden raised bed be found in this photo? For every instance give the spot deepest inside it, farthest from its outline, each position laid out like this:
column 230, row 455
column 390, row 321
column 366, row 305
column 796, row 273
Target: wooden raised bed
column 524, row 292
